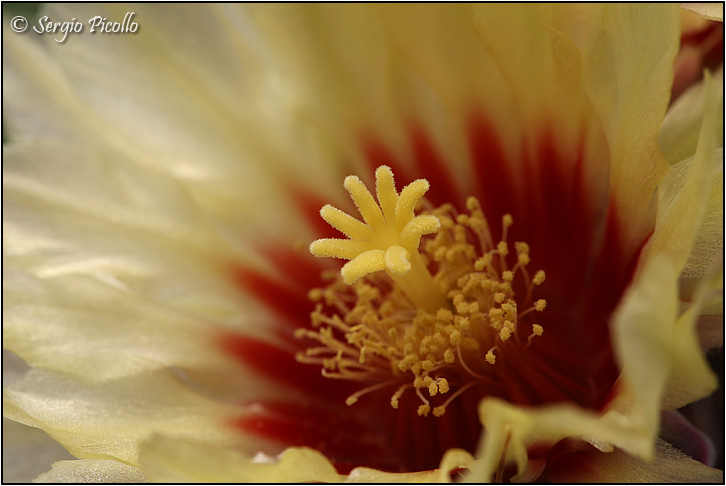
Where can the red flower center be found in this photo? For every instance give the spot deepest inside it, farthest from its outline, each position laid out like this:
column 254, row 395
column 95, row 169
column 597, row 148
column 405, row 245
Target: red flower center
column 413, row 376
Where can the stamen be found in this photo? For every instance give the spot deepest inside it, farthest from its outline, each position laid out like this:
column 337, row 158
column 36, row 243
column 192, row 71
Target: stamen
column 423, row 410
column 396, row 396
column 537, row 330
column 441, row 409
column 355, row 396
column 417, row 317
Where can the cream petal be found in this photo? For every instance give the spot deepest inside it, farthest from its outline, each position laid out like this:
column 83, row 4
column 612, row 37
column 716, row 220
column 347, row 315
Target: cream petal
column 708, row 245
column 177, row 461
column 97, row 331
column 168, row 114
column 511, row 429
column 166, row 460
column 681, row 128
column 109, row 420
column 100, row 251
column 668, row 466
column 165, row 121
column 542, row 69
column 452, row 461
column 504, row 50
column 684, row 192
column 691, row 377
column 212, row 188
column 27, row 452
column 659, row 352
column 628, row 73
column 348, row 82
column 92, row 471
column 711, row 11
column 643, row 329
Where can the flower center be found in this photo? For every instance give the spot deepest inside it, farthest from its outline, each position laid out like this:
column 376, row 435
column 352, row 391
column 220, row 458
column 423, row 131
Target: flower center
column 427, row 317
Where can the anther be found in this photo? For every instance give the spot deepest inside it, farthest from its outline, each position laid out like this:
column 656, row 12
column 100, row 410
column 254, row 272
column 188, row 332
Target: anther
column 537, row 330
column 406, row 326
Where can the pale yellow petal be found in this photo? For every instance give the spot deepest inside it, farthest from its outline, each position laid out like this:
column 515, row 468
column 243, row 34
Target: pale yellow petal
column 510, row 430
column 708, row 245
column 178, row 461
column 504, row 49
column 684, row 192
column 707, row 10
column 166, row 460
column 681, row 129
column 99, row 251
column 662, row 360
column 98, row 331
column 452, row 461
column 27, row 452
column 171, row 121
column 92, row 471
column 628, row 74
column 341, row 84
column 109, row 420
column 668, row 466
column 643, row 335
column 691, row 377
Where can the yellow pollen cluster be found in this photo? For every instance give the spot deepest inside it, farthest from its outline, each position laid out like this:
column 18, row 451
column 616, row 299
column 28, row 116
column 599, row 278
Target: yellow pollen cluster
column 435, row 320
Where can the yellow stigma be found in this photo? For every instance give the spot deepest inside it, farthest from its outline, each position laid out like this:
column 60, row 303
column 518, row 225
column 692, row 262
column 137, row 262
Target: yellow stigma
column 389, row 238
column 431, row 321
